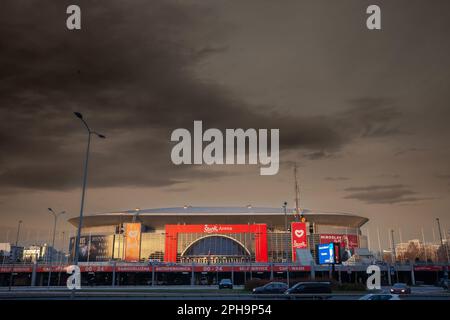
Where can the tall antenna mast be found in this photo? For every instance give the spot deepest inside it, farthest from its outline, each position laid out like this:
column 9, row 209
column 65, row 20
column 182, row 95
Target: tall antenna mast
column 297, row 191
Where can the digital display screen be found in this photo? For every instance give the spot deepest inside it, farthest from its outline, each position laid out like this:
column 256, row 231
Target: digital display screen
column 329, row 253
column 326, row 253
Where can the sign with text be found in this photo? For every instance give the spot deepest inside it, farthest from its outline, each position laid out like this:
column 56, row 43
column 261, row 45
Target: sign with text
column 259, row 230
column 298, row 236
column 326, row 253
column 347, row 244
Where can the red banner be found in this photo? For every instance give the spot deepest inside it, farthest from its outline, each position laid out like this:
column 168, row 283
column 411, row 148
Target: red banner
column 8, row 269
column 132, row 242
column 298, row 236
column 428, row 268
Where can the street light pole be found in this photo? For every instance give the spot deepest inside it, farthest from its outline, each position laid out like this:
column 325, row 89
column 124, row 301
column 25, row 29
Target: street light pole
column 55, row 215
column 86, row 162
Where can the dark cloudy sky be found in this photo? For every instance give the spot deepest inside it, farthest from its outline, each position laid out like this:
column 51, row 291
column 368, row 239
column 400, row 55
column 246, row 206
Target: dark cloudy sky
column 364, row 113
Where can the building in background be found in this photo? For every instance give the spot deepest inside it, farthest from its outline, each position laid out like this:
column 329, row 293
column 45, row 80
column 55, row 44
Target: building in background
column 417, row 251
column 43, row 253
column 212, row 235
column 10, row 253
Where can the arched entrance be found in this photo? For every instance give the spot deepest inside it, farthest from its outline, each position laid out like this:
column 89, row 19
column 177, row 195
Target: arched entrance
column 215, row 249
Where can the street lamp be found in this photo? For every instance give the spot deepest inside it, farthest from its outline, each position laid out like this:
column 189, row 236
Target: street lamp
column 285, row 230
column 55, row 215
column 86, row 161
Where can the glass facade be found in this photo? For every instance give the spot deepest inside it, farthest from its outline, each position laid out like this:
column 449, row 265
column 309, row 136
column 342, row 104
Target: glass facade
column 204, row 248
column 217, row 248
column 279, row 246
column 152, row 245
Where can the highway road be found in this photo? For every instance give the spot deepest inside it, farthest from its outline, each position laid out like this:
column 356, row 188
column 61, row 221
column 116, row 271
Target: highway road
column 191, row 293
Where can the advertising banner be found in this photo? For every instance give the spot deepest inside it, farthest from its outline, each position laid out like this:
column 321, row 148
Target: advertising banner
column 132, row 242
column 93, row 248
column 298, row 238
column 347, row 243
column 329, row 253
column 326, row 253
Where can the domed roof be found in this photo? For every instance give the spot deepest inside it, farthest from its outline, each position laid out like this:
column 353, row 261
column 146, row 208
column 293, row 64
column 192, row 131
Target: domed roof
column 157, row 218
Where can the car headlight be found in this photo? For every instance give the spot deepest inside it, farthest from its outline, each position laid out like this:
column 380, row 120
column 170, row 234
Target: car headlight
column 254, row 290
column 403, row 290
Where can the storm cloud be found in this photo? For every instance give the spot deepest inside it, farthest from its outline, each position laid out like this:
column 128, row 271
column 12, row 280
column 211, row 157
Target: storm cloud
column 362, row 113
column 129, row 71
column 384, row 194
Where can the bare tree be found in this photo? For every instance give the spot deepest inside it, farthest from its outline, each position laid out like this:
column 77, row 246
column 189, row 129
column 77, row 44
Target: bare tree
column 412, row 252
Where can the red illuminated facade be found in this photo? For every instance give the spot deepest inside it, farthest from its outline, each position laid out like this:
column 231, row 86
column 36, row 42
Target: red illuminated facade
column 258, row 230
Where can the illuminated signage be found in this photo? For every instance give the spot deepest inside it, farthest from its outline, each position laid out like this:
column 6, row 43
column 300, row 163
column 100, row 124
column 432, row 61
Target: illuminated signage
column 132, row 241
column 298, row 236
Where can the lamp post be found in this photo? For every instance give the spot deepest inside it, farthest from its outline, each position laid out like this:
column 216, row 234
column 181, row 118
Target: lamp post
column 55, row 215
column 86, row 161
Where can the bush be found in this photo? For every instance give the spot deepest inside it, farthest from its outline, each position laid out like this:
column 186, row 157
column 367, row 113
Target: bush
column 350, row 287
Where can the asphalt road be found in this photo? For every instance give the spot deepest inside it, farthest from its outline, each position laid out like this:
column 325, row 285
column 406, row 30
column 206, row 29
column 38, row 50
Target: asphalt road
column 189, row 293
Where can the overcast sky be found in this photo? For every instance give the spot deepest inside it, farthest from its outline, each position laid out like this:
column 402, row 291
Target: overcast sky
column 364, row 113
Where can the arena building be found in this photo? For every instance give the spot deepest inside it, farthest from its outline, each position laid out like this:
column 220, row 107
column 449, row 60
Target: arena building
column 213, row 235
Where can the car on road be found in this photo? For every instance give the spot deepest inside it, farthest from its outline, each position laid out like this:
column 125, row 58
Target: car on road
column 271, row 287
column 380, row 297
column 225, row 284
column 310, row 287
column 400, row 288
